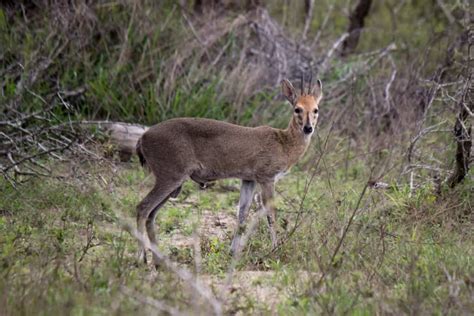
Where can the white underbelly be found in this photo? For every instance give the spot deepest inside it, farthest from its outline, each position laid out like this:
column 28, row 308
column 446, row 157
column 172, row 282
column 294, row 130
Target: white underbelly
column 280, row 175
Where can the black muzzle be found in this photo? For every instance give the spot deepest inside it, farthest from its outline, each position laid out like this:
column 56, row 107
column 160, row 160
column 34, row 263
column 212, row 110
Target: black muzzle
column 308, row 129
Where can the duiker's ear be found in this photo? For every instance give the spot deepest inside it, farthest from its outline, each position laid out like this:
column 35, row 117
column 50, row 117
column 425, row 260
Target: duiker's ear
column 317, row 90
column 288, row 91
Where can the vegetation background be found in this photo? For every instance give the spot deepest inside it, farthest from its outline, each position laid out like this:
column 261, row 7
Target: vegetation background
column 376, row 219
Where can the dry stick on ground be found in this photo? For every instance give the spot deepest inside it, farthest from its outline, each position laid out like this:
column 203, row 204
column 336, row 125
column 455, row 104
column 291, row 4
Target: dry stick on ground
column 182, row 273
column 14, row 164
column 24, row 143
column 29, row 137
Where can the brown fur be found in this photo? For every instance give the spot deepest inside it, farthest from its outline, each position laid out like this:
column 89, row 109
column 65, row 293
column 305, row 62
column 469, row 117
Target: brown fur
column 206, row 150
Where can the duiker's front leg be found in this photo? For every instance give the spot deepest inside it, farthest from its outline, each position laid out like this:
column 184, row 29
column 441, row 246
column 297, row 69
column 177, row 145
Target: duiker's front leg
column 268, row 190
column 247, row 190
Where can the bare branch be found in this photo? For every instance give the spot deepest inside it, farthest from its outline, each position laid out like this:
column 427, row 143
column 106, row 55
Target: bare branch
column 309, row 17
column 182, row 273
column 389, row 84
column 446, row 12
column 150, row 301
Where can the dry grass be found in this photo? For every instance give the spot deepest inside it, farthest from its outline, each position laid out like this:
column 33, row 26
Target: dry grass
column 386, row 118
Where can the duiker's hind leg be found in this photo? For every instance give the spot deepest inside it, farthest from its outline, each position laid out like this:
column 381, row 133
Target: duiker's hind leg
column 150, row 222
column 154, row 200
column 247, row 190
column 176, row 192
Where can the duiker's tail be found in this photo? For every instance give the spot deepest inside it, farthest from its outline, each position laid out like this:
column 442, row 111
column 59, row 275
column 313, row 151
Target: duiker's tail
column 140, row 153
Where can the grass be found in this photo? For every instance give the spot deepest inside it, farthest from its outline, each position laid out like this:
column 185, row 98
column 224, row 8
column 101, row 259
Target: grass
column 62, row 249
column 133, row 66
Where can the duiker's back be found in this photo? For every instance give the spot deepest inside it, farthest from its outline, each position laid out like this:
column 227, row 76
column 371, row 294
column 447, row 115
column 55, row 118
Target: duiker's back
column 209, row 149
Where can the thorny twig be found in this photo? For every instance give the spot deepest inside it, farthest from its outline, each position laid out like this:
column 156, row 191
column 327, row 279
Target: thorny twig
column 182, row 273
column 343, row 235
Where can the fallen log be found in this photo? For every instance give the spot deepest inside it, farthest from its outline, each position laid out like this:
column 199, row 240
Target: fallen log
column 125, row 136
column 122, row 136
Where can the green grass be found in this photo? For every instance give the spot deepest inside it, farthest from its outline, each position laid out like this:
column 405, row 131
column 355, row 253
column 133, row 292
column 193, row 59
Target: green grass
column 63, row 249
column 126, row 58
column 401, row 255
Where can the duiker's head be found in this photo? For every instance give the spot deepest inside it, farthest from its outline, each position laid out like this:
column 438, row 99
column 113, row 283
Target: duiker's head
column 305, row 105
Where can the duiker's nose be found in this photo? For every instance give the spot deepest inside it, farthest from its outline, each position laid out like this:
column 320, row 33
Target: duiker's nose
column 307, row 129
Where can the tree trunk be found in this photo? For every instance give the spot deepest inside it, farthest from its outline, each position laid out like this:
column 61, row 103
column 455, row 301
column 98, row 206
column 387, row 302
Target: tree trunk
column 308, row 11
column 356, row 24
column 463, row 135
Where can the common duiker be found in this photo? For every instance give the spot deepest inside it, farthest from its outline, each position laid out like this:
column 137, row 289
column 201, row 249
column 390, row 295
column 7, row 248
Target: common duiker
column 205, row 150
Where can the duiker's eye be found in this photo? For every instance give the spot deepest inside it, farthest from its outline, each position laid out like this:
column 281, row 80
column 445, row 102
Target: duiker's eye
column 315, row 111
column 298, row 110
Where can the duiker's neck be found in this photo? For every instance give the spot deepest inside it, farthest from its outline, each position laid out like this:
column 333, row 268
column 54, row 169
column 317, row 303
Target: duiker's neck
column 295, row 134
column 294, row 141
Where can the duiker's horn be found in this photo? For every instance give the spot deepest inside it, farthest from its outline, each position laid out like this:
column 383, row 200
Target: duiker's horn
column 302, row 83
column 310, row 82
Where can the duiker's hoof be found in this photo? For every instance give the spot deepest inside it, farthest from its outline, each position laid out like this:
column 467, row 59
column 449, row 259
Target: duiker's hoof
column 157, row 263
column 141, row 257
